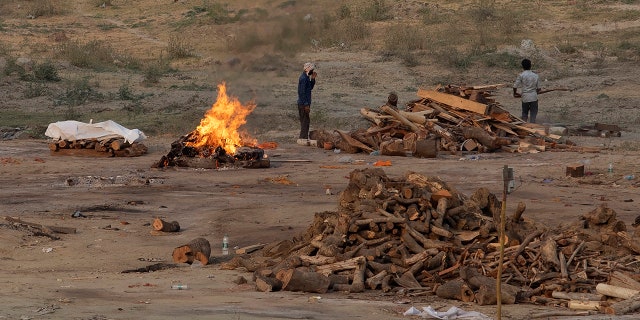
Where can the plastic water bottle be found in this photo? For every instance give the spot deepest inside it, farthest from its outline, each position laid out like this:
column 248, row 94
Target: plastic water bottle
column 610, row 168
column 225, row 245
column 179, row 287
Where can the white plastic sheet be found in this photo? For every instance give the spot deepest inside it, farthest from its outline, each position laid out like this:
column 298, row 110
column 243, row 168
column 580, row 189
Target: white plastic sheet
column 75, row 130
column 452, row 313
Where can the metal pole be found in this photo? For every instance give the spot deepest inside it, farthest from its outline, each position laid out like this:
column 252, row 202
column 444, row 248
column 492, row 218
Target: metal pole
column 505, row 178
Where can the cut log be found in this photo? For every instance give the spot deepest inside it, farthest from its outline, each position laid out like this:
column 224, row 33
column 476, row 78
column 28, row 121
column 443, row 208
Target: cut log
column 584, row 305
column 575, row 170
column 615, row 291
column 376, row 280
column 161, row 225
column 268, row 284
column 632, row 304
column 400, row 118
column 188, row 253
column 304, row 281
column 455, row 289
column 621, row 279
column 341, row 265
column 582, row 296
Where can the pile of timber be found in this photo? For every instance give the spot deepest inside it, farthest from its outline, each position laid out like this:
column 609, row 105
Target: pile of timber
column 184, row 153
column 108, row 147
column 417, row 235
column 449, row 118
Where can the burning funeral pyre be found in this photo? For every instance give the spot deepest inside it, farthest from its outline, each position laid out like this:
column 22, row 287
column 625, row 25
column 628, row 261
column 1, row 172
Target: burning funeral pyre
column 217, row 141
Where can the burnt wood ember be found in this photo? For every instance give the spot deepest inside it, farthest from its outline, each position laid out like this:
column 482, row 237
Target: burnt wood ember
column 183, row 154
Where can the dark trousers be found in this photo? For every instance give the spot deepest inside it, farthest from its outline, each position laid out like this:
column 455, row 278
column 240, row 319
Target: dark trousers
column 530, row 111
column 305, row 120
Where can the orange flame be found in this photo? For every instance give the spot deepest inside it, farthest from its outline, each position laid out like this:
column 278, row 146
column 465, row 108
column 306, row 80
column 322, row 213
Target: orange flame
column 220, row 124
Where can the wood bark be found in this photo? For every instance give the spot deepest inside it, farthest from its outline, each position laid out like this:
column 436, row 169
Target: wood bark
column 196, row 249
column 305, row 281
column 455, row 289
column 161, row 225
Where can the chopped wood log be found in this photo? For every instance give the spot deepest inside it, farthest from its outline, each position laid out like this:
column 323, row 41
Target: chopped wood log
column 188, row 253
column 575, row 170
column 455, row 289
column 317, row 260
column 517, row 215
column 353, row 142
column 411, row 243
column 629, row 305
column 621, row 279
column 341, row 265
column 119, row 144
column 268, row 284
column 549, row 252
column 305, row 281
column 584, row 305
column 376, row 280
column 629, row 242
column 408, row 280
column 386, row 284
column 615, row 291
column 400, row 118
column 161, row 225
column 582, row 296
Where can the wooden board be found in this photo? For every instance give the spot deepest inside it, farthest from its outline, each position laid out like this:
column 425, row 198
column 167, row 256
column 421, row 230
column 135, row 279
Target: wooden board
column 454, row 101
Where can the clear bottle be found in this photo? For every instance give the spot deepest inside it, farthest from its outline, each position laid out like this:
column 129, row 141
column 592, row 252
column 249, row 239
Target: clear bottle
column 610, row 168
column 225, row 245
column 179, row 287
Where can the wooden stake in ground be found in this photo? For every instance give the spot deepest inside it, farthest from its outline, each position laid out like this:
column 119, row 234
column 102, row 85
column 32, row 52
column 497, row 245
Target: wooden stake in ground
column 505, row 177
column 197, row 249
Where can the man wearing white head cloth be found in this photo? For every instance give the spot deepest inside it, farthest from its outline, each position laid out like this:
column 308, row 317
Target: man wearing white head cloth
column 306, row 82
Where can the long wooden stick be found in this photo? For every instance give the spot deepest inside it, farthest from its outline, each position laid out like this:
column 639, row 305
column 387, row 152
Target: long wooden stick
column 505, row 177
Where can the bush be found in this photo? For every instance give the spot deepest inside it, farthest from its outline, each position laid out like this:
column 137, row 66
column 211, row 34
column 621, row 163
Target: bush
column 39, row 8
column 78, row 93
column 46, row 71
column 377, row 10
column 178, row 48
column 35, row 89
column 96, row 55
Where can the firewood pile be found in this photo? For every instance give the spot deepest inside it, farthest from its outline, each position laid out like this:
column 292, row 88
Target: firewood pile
column 184, row 154
column 416, row 235
column 449, row 118
column 109, row 147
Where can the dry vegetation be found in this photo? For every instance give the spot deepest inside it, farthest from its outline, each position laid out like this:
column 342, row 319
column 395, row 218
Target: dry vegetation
column 153, row 65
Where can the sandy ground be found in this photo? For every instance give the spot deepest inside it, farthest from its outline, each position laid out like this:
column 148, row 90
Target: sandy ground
column 79, row 276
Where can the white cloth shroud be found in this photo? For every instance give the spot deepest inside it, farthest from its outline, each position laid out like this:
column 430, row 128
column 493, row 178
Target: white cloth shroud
column 75, row 130
column 452, row 313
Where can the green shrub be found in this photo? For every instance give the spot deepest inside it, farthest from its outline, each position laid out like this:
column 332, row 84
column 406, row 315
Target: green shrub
column 46, row 71
column 12, row 67
column 78, row 93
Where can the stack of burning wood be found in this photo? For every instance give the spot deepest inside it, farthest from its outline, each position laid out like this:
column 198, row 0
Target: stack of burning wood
column 450, row 118
column 417, row 235
column 184, row 153
column 112, row 147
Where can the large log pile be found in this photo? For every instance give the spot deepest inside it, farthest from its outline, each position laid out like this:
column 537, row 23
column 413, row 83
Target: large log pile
column 108, row 147
column 455, row 118
column 417, row 235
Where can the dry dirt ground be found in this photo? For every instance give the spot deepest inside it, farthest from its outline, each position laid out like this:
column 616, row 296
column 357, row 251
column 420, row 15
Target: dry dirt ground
column 79, row 276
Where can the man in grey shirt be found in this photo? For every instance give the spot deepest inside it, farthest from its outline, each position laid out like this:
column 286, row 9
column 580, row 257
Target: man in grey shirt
column 530, row 84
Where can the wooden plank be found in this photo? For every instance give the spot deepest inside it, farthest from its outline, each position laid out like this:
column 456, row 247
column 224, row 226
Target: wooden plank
column 453, row 101
column 505, row 128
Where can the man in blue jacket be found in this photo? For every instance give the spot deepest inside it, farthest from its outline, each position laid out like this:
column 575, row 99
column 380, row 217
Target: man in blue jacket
column 306, row 82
